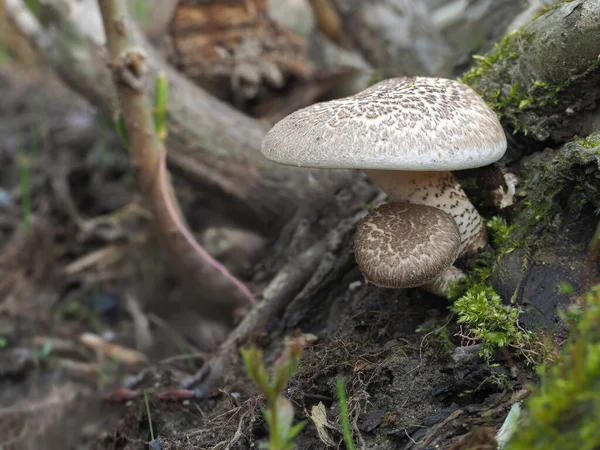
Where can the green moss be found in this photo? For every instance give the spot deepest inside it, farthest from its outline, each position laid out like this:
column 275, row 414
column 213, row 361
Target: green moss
column 488, row 319
column 544, row 9
column 591, row 141
column 501, row 231
column 495, row 83
column 562, row 412
column 505, row 50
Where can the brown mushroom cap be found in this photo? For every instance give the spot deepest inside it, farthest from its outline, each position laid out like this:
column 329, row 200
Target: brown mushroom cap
column 404, row 245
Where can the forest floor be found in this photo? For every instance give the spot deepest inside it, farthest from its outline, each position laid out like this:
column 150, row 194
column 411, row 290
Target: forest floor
column 410, row 377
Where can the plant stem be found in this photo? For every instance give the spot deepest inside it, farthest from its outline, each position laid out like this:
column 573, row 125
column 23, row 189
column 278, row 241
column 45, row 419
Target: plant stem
column 147, row 402
column 344, row 414
column 128, row 64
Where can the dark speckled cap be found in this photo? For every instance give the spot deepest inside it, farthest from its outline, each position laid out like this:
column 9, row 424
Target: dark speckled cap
column 409, row 123
column 403, row 245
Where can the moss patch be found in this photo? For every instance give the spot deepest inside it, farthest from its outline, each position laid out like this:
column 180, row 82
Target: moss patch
column 488, row 319
column 491, row 78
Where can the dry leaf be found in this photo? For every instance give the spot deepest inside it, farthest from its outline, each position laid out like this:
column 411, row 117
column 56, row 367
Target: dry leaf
column 318, row 415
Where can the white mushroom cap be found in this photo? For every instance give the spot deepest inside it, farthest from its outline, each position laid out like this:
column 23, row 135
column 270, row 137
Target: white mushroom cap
column 409, row 123
column 403, row 245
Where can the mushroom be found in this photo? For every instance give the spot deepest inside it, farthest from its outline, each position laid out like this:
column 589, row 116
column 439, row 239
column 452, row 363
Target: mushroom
column 407, row 134
column 405, row 244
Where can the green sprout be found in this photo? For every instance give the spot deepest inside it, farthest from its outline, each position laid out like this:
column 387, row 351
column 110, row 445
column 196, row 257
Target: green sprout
column 341, row 388
column 161, row 100
column 279, row 412
column 25, row 179
column 147, row 404
column 159, row 111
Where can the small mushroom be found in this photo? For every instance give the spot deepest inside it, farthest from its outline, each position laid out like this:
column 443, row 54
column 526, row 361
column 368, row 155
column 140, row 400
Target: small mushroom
column 401, row 245
column 406, row 134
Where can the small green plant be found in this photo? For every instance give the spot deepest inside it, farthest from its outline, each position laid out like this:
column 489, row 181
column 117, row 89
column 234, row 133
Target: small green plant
column 44, row 353
column 160, row 107
column 500, row 230
column 481, row 309
column 341, row 388
column 141, row 11
column 34, row 6
column 562, row 413
column 25, row 160
column 279, row 412
column 147, row 404
column 159, row 111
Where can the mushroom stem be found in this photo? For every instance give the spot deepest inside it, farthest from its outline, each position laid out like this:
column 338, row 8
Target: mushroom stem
column 440, row 189
column 441, row 284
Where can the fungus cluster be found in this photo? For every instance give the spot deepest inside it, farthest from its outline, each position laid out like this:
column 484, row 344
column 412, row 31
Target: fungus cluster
column 407, row 134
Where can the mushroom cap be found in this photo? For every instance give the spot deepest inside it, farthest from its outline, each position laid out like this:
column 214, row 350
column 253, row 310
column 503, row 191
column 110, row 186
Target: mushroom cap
column 408, row 123
column 403, row 245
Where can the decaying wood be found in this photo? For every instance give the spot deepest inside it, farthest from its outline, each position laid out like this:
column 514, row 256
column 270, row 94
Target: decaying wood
column 292, row 281
column 234, row 49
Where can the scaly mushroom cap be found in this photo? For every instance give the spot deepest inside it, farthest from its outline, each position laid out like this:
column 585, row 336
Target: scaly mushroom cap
column 409, row 123
column 403, row 245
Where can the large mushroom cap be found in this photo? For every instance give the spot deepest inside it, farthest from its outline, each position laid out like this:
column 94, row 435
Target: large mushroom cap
column 404, row 245
column 409, row 123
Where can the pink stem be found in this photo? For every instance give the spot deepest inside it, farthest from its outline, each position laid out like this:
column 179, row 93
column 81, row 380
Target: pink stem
column 188, row 235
